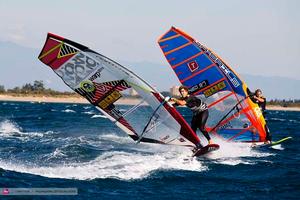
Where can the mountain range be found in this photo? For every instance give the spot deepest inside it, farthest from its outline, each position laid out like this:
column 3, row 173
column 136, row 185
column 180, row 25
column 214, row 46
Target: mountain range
column 20, row 65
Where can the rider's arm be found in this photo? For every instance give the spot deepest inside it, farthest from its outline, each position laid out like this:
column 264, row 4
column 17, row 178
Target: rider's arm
column 178, row 101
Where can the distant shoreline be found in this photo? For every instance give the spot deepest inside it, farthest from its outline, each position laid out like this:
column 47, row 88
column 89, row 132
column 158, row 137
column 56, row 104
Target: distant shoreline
column 61, row 99
column 80, row 100
column 281, row 108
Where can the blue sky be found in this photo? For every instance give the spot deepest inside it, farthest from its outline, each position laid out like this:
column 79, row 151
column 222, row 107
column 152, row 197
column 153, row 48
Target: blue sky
column 254, row 37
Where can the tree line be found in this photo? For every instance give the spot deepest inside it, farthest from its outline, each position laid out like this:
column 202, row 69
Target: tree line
column 35, row 88
column 38, row 87
column 285, row 103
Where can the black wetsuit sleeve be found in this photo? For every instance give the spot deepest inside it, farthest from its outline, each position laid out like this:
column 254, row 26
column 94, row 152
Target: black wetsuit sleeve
column 193, row 101
column 263, row 104
column 251, row 95
column 175, row 104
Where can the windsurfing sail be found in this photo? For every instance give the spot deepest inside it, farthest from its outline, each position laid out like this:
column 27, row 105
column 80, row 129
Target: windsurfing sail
column 232, row 114
column 103, row 82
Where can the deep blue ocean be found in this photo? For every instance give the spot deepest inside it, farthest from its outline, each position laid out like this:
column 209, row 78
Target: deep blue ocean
column 56, row 145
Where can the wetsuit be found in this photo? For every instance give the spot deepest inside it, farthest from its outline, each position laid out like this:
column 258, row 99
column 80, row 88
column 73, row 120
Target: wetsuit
column 200, row 114
column 262, row 106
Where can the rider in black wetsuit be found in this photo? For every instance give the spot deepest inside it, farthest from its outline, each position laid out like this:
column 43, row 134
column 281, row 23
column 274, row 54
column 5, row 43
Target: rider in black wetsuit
column 199, row 108
column 261, row 101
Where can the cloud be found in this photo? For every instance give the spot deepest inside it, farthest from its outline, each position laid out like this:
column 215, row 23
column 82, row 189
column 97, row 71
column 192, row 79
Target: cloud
column 13, row 32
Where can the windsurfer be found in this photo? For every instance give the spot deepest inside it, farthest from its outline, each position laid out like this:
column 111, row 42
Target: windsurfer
column 199, row 108
column 258, row 98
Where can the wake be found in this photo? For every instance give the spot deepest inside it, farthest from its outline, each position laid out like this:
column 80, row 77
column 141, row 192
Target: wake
column 120, row 158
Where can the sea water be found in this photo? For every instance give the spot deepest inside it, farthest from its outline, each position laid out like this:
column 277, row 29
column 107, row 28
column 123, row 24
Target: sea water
column 56, row 145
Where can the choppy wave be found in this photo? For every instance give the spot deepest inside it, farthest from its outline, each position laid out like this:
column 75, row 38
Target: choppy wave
column 236, row 153
column 141, row 163
column 36, row 140
column 98, row 116
column 294, row 121
column 146, row 158
column 278, row 119
column 113, row 164
column 88, row 112
column 69, row 111
column 9, row 128
column 278, row 147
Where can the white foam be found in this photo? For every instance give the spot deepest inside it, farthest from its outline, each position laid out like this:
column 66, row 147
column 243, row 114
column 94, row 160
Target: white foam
column 68, row 111
column 56, row 154
column 119, row 165
column 114, row 163
column 143, row 160
column 294, row 121
column 9, row 128
column 233, row 161
column 278, row 119
column 98, row 116
column 277, row 147
column 235, row 153
column 117, row 139
column 89, row 112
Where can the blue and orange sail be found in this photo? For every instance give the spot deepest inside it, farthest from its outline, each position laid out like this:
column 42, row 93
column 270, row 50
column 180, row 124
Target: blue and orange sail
column 232, row 114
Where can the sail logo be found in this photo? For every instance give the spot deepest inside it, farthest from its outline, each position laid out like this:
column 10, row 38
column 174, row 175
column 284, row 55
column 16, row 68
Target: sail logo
column 87, row 86
column 110, row 99
column 77, row 69
column 193, row 66
column 258, row 112
column 229, row 74
column 97, row 74
column 199, row 86
column 164, row 138
column 214, row 89
column 232, row 78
